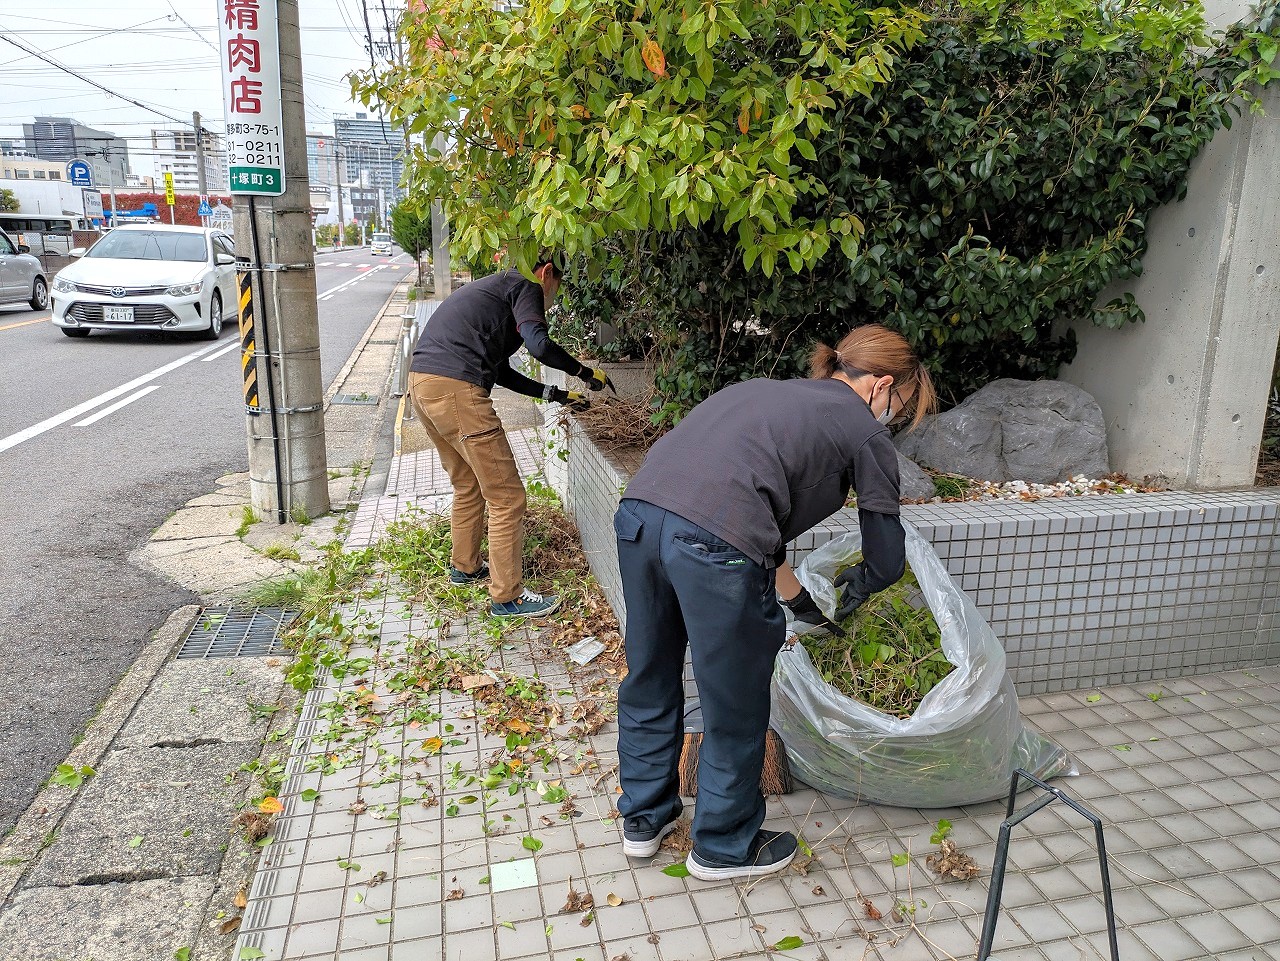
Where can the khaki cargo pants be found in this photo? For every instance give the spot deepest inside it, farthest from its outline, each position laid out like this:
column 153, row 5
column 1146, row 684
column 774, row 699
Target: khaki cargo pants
column 461, row 422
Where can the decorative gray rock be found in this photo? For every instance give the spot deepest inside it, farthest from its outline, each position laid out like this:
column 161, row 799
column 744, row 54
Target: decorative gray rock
column 915, row 483
column 1042, row 431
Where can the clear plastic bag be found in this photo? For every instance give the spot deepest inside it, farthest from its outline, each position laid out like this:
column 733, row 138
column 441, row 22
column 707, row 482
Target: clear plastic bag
column 960, row 746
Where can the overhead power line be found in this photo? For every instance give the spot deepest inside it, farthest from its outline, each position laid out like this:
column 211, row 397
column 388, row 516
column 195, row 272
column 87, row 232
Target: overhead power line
column 79, row 76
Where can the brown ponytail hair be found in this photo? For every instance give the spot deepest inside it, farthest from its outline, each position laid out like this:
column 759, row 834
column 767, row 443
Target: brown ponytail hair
column 877, row 350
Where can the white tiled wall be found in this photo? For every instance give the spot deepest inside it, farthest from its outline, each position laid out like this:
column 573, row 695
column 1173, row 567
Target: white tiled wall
column 1083, row 591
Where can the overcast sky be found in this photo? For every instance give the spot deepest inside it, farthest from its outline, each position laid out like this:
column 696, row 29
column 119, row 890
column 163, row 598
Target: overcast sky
column 143, row 49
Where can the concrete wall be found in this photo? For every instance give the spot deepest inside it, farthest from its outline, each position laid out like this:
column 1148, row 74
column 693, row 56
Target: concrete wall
column 1184, row 395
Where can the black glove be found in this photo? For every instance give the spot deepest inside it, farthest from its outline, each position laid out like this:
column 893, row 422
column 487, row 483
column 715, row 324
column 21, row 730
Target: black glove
column 574, row 400
column 854, row 595
column 803, row 608
column 596, row 379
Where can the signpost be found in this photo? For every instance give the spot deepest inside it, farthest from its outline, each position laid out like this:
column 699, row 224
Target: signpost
column 92, row 205
column 251, row 93
column 168, row 193
column 205, row 210
column 260, row 53
column 79, row 173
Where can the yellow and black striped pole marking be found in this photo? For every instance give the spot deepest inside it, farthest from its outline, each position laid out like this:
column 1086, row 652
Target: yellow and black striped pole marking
column 248, row 345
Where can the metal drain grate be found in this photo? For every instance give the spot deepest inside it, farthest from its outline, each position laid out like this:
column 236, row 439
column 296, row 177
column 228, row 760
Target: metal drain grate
column 228, row 632
column 357, row 399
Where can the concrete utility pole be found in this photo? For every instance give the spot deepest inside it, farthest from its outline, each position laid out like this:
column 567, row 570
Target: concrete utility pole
column 337, row 165
column 200, row 179
column 287, row 466
column 440, row 236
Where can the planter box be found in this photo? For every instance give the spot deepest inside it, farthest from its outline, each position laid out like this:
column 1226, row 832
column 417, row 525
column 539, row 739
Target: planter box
column 1083, row 591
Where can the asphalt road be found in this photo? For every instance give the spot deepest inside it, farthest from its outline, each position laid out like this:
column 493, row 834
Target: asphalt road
column 86, row 479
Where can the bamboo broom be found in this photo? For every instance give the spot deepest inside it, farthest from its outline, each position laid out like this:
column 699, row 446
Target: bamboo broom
column 775, row 775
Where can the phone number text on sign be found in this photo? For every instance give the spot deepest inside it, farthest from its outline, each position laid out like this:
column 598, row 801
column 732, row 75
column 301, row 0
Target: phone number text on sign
column 258, row 152
column 250, row 56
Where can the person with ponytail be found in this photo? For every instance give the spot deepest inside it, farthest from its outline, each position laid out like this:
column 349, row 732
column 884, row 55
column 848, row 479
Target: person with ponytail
column 702, row 533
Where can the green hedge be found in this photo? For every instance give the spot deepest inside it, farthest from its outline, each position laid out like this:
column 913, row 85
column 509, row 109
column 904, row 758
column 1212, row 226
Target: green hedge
column 1002, row 184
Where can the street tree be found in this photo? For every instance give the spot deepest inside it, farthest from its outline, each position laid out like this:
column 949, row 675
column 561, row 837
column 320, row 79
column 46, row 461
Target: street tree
column 573, row 120
column 412, row 231
column 9, row 201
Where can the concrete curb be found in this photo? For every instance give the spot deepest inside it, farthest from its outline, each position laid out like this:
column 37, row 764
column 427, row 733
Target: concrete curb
column 342, row 374
column 27, row 839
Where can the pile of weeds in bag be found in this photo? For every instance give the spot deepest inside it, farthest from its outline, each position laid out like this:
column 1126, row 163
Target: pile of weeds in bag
column 941, row 735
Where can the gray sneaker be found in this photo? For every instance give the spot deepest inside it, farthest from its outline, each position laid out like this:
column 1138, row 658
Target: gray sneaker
column 528, row 604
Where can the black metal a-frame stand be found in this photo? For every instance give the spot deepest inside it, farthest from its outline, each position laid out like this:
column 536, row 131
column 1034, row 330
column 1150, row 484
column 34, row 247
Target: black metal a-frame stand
column 1002, row 856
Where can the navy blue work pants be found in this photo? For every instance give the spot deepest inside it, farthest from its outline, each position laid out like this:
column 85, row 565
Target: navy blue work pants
column 686, row 588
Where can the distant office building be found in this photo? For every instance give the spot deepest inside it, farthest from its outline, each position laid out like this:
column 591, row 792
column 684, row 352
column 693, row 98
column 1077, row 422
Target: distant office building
column 365, row 204
column 31, row 168
column 14, row 148
column 175, row 151
column 372, row 154
column 61, row 138
column 324, row 165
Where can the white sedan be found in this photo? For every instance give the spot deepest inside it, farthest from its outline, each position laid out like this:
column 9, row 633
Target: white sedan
column 149, row 277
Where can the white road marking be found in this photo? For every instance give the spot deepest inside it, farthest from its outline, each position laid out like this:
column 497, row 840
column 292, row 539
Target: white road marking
column 107, row 411
column 226, row 350
column 49, row 423
column 328, row 294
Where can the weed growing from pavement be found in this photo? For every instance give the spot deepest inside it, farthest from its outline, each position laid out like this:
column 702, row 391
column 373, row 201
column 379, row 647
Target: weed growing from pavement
column 279, row 552
column 248, row 517
column 300, row 515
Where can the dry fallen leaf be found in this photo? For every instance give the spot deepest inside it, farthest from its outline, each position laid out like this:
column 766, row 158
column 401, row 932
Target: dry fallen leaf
column 433, row 745
column 358, row 806
column 871, row 910
column 378, row 878
column 613, row 900
column 818, row 890
column 951, row 863
column 654, row 938
column 241, row 900
column 575, row 902
column 270, row 805
column 455, row 895
column 473, row 681
column 229, row 925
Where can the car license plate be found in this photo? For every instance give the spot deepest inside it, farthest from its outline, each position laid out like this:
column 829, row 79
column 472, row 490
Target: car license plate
column 117, row 315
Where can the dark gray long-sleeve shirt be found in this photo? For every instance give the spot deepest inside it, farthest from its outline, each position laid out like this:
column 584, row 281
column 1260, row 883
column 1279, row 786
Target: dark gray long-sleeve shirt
column 761, row 462
column 473, row 334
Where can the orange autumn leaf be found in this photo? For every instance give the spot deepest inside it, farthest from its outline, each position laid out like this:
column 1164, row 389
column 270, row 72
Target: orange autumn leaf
column 270, row 805
column 515, row 764
column 654, row 58
column 433, row 744
column 548, row 127
column 744, row 120
column 579, row 112
column 520, row 727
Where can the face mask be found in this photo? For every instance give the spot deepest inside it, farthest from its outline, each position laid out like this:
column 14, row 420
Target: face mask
column 887, row 416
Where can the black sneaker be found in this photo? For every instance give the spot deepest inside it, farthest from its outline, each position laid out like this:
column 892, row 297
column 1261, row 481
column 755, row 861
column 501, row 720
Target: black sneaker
column 771, row 851
column 462, row 577
column 640, row 840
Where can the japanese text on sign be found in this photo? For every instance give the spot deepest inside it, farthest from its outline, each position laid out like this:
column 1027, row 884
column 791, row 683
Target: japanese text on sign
column 250, row 55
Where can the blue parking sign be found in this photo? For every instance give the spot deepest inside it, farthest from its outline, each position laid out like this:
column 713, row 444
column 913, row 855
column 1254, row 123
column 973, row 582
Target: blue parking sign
column 80, row 173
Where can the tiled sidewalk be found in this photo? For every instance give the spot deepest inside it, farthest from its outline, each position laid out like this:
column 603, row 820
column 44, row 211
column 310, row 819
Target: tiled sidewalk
column 1183, row 774
column 419, row 480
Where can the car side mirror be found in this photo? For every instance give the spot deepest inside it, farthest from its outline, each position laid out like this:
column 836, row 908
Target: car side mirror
column 76, row 252
column 224, row 260
column 23, row 249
